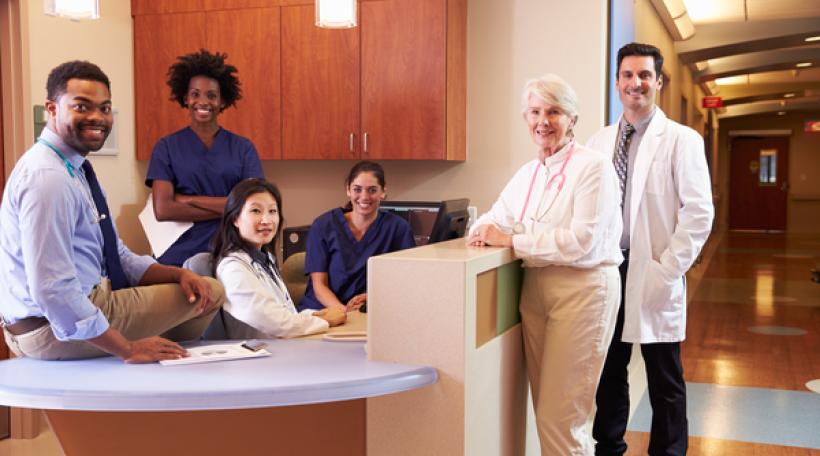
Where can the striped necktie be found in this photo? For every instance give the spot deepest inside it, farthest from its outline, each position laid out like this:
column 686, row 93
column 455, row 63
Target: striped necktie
column 621, row 158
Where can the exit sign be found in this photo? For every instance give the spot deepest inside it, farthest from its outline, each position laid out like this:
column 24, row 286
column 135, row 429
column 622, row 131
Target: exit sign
column 712, row 102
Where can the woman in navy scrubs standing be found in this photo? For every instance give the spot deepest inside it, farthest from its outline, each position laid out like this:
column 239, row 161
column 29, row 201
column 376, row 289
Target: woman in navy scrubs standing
column 193, row 170
column 341, row 240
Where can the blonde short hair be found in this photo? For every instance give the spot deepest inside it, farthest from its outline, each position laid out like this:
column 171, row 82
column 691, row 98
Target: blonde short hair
column 555, row 91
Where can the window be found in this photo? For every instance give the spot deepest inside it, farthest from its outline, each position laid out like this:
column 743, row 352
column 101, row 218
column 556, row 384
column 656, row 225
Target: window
column 768, row 167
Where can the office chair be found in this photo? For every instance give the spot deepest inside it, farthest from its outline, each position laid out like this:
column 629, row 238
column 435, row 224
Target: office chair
column 201, row 264
column 293, row 274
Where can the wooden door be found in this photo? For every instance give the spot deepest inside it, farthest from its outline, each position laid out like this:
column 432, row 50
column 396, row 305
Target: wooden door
column 403, row 79
column 253, row 48
column 158, row 40
column 758, row 188
column 320, row 88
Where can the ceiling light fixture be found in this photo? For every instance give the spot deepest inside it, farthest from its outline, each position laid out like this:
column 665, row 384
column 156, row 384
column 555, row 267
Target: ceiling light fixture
column 336, row 14
column 803, row 64
column 675, row 18
column 73, row 9
column 733, row 80
column 788, row 95
column 781, row 113
column 812, row 38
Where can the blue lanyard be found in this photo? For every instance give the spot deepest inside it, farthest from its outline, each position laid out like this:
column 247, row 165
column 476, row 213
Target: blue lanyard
column 67, row 163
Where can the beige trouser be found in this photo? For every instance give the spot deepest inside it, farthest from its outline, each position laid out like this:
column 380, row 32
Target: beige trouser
column 137, row 313
column 568, row 316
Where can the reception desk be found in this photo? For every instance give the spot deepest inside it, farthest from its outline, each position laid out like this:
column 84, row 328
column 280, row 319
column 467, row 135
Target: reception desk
column 307, row 398
column 454, row 308
column 442, row 373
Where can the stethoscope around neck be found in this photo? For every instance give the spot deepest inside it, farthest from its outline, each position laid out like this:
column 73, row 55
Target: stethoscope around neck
column 97, row 216
column 518, row 227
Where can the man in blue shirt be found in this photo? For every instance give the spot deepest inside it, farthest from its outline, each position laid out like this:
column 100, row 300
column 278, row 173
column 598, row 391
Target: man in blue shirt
column 69, row 287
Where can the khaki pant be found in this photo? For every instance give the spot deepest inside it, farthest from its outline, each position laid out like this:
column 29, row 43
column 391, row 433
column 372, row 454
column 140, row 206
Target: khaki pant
column 568, row 316
column 137, row 313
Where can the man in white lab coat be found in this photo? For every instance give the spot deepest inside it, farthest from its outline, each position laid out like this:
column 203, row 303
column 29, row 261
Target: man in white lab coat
column 668, row 212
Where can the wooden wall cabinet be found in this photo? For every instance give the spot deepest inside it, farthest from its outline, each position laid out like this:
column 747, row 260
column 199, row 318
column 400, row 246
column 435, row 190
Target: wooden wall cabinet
column 392, row 88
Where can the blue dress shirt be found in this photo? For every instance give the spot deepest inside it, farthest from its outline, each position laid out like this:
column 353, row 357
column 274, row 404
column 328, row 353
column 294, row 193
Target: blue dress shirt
column 332, row 248
column 51, row 244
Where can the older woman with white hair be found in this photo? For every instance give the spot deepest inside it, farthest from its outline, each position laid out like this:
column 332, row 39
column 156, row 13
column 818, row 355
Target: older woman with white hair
column 560, row 213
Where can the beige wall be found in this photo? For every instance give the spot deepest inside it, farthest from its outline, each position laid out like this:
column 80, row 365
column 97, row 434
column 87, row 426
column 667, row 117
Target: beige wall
column 508, row 43
column 804, row 166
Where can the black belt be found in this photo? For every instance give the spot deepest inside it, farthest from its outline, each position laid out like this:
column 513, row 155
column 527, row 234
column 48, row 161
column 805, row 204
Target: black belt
column 26, row 325
column 625, row 253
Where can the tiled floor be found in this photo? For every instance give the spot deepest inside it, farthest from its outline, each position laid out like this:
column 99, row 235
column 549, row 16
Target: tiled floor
column 747, row 391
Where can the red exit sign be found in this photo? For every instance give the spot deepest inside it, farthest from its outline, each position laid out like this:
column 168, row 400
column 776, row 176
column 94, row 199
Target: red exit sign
column 712, row 102
column 812, row 126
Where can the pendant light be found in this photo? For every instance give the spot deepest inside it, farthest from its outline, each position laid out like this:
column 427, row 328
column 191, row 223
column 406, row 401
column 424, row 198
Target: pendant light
column 73, row 9
column 336, row 13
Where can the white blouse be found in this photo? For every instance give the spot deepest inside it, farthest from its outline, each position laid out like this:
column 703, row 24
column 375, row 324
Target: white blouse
column 578, row 224
column 259, row 306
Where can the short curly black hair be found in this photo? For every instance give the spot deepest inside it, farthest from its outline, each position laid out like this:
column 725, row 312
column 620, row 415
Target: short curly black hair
column 204, row 63
column 75, row 69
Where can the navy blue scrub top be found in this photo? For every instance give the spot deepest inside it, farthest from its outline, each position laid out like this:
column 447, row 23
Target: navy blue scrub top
column 193, row 169
column 331, row 248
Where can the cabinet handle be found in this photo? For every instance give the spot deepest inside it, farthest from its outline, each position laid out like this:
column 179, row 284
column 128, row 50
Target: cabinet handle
column 351, row 142
column 364, row 148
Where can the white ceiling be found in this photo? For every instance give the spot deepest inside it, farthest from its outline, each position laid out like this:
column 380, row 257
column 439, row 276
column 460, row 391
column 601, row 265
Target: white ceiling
column 753, row 41
column 711, row 11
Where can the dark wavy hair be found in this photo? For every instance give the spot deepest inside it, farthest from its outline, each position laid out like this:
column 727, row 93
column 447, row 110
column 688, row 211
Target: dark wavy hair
column 227, row 238
column 363, row 166
column 75, row 69
column 643, row 50
column 204, row 63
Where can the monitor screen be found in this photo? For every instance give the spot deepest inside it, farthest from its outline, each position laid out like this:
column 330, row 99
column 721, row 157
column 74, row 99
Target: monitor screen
column 432, row 221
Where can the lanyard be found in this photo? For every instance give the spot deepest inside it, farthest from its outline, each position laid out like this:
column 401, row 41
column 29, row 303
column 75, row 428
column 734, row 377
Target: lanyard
column 71, row 172
column 67, row 163
column 549, row 182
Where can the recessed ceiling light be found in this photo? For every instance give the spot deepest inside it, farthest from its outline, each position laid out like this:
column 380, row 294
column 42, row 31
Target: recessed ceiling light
column 732, row 80
column 781, row 113
column 788, row 95
column 803, row 64
column 812, row 38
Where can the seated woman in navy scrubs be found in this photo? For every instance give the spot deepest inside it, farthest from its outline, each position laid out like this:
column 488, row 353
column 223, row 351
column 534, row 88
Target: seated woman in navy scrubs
column 341, row 240
column 193, row 170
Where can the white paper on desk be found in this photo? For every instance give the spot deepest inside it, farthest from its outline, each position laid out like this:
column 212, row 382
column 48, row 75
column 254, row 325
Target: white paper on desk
column 161, row 235
column 213, row 353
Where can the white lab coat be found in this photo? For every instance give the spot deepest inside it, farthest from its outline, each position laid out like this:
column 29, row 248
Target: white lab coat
column 670, row 219
column 258, row 306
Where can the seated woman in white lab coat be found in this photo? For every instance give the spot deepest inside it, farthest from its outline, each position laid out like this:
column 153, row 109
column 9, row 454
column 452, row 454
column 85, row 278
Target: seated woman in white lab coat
column 258, row 304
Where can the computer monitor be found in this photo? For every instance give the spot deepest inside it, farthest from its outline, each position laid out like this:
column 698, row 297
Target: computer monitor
column 432, row 221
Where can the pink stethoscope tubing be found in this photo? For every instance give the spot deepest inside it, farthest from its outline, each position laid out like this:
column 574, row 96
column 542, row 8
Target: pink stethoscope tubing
column 549, row 182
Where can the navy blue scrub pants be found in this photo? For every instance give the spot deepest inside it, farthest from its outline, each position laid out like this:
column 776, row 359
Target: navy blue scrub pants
column 667, row 394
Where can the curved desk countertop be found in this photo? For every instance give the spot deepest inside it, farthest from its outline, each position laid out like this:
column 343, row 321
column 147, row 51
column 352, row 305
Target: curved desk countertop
column 252, row 406
column 297, row 372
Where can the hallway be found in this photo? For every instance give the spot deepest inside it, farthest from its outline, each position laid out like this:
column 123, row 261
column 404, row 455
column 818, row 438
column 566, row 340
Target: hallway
column 752, row 344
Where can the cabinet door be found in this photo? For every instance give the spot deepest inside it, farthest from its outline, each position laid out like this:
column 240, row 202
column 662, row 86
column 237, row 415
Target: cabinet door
column 320, row 88
column 158, row 40
column 139, row 7
column 403, row 79
column 250, row 37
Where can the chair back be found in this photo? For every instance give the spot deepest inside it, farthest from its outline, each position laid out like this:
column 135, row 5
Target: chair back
column 293, row 274
column 201, row 264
